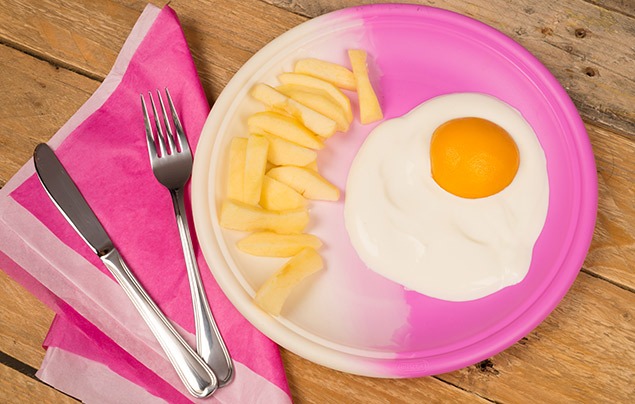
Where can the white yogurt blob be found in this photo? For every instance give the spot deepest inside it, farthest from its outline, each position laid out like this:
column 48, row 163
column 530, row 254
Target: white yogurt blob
column 408, row 229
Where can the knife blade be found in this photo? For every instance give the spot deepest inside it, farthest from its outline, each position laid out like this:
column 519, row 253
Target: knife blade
column 69, row 200
column 195, row 374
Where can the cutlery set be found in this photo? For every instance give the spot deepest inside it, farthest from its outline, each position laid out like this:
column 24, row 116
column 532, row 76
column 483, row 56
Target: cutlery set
column 210, row 366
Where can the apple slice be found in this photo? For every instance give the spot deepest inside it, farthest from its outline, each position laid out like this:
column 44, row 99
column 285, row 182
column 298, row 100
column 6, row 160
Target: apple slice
column 282, row 152
column 312, row 119
column 307, row 182
column 268, row 244
column 311, row 166
column 237, row 155
column 236, row 215
column 275, row 291
column 313, row 82
column 285, row 127
column 278, row 196
column 335, row 74
column 255, row 165
column 317, row 100
column 369, row 108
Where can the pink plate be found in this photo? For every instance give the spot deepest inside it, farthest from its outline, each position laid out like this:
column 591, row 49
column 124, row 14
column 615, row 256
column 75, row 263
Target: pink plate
column 347, row 317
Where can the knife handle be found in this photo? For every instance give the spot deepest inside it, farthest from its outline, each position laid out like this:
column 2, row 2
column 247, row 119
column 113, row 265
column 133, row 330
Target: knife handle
column 197, row 376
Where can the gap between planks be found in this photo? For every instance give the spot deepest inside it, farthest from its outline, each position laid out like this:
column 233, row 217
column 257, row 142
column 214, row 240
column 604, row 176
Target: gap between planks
column 605, row 279
column 52, row 61
column 26, row 370
column 464, row 389
column 18, row 365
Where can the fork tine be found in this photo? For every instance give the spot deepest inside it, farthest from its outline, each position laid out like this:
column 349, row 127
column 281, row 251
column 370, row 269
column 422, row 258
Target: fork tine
column 168, row 128
column 183, row 145
column 152, row 149
column 160, row 135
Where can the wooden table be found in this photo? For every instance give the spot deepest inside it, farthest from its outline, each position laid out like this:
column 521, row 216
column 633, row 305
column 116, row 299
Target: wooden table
column 54, row 54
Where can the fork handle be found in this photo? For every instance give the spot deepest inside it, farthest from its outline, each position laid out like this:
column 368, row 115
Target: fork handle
column 209, row 342
column 198, row 378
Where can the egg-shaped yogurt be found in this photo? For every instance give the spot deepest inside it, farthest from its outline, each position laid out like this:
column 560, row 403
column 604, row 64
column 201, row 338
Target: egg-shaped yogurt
column 411, row 230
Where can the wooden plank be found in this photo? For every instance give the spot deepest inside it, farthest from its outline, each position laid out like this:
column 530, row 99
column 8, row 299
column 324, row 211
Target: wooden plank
column 587, row 47
column 312, row 383
column 219, row 37
column 24, row 322
column 626, row 7
column 583, row 352
column 612, row 252
column 37, row 98
column 585, row 345
column 16, row 388
column 49, row 30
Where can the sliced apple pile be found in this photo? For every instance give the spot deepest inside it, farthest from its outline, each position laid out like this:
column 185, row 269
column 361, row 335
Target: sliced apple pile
column 273, row 172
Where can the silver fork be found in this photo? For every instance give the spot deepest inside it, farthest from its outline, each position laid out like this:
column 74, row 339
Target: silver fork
column 172, row 167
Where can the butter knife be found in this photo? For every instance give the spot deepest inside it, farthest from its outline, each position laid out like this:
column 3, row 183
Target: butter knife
column 195, row 374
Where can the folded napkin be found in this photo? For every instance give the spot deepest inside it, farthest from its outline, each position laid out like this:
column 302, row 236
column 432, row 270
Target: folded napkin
column 99, row 349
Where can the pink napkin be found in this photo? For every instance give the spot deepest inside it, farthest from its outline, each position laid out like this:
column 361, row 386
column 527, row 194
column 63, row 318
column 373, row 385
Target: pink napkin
column 98, row 348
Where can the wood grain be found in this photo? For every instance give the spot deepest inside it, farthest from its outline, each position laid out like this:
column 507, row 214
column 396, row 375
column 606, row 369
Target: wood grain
column 16, row 388
column 37, row 98
column 48, row 30
column 312, row 383
column 583, row 352
column 586, row 46
column 24, row 322
column 219, row 37
column 626, row 7
column 612, row 252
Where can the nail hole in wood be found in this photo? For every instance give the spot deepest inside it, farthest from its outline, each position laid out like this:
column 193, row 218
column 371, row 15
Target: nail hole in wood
column 580, row 33
column 591, row 72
